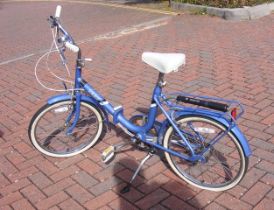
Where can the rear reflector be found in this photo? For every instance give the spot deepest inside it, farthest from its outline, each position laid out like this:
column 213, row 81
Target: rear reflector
column 234, row 113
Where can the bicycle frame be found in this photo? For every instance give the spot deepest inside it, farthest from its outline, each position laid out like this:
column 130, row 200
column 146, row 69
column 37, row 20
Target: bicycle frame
column 119, row 119
column 139, row 132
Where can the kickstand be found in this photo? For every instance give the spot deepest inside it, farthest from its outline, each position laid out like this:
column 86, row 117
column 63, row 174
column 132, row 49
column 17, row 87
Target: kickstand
column 127, row 187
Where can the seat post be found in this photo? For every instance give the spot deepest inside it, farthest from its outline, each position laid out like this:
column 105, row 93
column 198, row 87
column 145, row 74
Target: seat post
column 158, row 87
column 160, row 80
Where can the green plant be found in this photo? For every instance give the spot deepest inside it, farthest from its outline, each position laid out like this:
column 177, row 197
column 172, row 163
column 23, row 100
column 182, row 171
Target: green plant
column 226, row 3
column 198, row 11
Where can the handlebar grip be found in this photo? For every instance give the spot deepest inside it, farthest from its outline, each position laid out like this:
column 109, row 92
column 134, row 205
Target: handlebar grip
column 58, row 11
column 72, row 47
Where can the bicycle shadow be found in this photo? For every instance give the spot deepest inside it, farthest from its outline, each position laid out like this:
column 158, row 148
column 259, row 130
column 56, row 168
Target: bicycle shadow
column 157, row 192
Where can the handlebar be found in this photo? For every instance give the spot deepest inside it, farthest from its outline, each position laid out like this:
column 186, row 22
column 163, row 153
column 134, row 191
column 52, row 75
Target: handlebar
column 66, row 39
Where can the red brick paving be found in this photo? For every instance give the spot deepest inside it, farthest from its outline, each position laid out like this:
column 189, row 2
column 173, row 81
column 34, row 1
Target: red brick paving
column 226, row 59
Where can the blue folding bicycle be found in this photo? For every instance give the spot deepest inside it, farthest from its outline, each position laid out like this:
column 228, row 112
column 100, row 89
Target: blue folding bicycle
column 201, row 142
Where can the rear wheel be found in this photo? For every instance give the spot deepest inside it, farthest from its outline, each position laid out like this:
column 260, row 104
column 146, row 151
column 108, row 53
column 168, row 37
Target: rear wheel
column 47, row 130
column 224, row 163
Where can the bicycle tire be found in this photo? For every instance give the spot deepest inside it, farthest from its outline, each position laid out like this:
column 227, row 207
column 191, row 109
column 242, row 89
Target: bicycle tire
column 188, row 171
column 58, row 113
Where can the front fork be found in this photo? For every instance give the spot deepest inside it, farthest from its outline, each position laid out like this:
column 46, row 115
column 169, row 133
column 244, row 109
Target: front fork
column 77, row 97
column 76, row 103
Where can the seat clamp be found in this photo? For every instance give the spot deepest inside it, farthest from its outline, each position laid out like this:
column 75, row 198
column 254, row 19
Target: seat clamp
column 162, row 83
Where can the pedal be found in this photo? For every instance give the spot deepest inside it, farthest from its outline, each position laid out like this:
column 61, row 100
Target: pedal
column 108, row 154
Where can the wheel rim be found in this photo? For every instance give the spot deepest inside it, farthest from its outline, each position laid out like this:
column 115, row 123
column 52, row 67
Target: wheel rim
column 224, row 163
column 50, row 130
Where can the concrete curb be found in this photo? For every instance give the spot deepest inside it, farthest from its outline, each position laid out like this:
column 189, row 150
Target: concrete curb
column 246, row 13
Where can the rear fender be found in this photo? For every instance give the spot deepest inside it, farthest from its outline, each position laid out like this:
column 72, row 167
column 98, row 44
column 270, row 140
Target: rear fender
column 235, row 129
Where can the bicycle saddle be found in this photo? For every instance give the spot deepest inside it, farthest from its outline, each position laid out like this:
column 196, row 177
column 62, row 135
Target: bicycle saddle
column 164, row 62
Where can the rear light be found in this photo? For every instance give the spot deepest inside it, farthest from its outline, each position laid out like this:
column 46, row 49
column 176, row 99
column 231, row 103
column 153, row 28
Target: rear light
column 234, row 113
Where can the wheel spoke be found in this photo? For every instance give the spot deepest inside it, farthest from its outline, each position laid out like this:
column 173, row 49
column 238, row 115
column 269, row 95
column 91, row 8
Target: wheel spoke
column 48, row 133
column 222, row 166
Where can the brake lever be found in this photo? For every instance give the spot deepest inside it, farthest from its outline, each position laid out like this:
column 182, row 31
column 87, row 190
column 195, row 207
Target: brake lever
column 64, row 60
column 52, row 21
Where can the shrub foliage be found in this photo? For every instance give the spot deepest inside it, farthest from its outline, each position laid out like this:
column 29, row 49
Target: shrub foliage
column 226, row 3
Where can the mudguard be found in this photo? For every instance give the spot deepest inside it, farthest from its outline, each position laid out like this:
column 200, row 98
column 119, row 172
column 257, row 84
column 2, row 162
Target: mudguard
column 64, row 97
column 214, row 116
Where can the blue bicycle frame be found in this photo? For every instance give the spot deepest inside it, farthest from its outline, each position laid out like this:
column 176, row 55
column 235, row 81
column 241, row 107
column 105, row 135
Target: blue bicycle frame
column 141, row 131
column 119, row 118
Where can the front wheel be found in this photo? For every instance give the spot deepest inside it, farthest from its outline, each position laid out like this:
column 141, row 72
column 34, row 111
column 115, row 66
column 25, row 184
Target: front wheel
column 224, row 163
column 47, row 129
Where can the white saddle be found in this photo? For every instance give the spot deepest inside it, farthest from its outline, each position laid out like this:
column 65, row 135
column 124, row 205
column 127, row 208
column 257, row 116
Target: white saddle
column 164, row 62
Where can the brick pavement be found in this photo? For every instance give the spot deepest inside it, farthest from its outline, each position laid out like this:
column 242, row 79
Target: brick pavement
column 226, row 59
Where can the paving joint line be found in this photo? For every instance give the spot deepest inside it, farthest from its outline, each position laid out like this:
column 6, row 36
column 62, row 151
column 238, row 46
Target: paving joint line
column 105, row 36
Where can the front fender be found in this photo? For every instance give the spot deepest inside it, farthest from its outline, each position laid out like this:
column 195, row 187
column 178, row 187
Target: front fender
column 64, row 97
column 235, row 129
